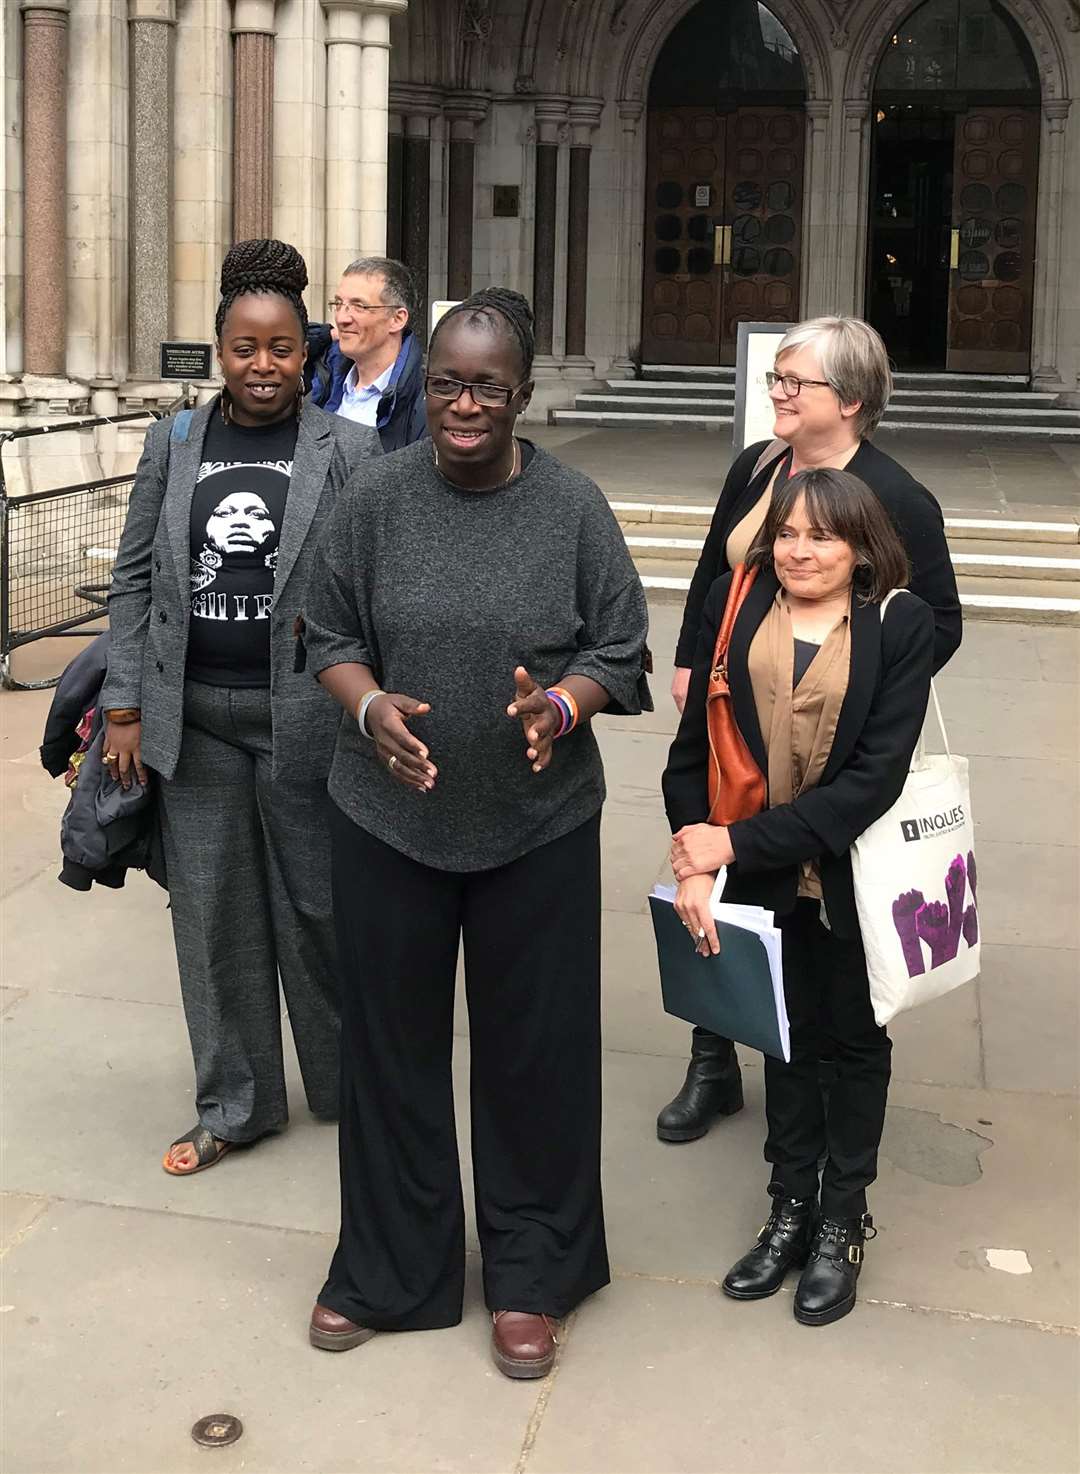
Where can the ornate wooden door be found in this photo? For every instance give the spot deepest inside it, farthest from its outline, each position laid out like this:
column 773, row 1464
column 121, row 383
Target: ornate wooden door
column 680, row 319
column 763, row 205
column 722, row 228
column 992, row 242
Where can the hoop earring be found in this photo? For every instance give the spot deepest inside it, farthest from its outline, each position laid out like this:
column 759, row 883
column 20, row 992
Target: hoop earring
column 225, row 403
column 300, row 398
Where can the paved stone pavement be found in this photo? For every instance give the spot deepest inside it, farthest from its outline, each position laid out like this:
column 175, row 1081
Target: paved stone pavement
column 132, row 1303
column 989, row 475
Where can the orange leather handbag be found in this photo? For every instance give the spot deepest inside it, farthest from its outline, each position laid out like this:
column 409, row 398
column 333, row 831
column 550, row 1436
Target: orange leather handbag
column 736, row 785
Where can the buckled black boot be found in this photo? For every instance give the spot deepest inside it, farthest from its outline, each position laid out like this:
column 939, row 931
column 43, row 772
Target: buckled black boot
column 782, row 1244
column 713, row 1087
column 826, row 1289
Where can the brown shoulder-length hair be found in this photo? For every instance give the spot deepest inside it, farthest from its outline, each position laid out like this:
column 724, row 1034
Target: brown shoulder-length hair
column 842, row 504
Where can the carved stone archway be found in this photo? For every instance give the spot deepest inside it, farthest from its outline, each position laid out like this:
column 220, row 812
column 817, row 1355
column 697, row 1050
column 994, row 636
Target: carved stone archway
column 870, row 32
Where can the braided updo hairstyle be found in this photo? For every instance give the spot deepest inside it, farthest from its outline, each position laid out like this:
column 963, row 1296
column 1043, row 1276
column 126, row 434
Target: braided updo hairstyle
column 262, row 266
column 500, row 310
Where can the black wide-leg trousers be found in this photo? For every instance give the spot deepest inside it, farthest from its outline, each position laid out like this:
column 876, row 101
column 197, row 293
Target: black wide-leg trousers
column 828, row 1002
column 531, row 932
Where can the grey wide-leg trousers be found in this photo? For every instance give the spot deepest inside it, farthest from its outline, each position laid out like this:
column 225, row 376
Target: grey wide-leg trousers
column 249, row 880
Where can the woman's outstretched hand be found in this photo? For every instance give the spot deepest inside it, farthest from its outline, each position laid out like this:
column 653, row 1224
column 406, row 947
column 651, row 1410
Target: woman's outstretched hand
column 700, row 849
column 692, row 908
column 406, row 756
column 539, row 719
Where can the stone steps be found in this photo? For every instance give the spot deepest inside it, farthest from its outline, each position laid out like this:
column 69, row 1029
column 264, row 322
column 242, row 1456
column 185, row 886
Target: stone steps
column 1013, row 600
column 1005, row 569
column 667, row 397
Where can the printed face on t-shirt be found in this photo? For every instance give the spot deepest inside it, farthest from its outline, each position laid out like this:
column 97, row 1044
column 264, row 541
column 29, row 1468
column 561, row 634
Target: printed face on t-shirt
column 241, row 523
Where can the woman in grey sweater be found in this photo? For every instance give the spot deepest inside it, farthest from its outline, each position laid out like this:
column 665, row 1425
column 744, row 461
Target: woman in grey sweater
column 472, row 607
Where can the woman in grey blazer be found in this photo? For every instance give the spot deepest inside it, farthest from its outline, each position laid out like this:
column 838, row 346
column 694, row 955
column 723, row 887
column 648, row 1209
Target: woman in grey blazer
column 225, row 513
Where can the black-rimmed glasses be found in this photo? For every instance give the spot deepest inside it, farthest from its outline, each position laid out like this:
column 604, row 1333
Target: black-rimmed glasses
column 492, row 396
column 791, row 383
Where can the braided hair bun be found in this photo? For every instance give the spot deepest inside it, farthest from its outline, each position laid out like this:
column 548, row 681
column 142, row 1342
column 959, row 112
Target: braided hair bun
column 502, row 308
column 262, row 266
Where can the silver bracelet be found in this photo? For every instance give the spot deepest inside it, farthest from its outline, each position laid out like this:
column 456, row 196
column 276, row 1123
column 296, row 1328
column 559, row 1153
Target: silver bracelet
column 362, row 711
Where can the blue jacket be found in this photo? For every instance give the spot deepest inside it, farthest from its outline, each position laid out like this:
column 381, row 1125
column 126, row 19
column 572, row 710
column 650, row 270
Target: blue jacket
column 401, row 415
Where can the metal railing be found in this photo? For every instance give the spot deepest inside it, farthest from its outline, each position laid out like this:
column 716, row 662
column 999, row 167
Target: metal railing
column 56, row 551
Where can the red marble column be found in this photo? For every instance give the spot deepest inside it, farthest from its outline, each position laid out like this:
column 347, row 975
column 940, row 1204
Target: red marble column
column 45, row 48
column 253, row 120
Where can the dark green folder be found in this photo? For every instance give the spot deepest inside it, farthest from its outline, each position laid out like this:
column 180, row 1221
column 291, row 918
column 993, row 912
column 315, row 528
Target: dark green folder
column 731, row 994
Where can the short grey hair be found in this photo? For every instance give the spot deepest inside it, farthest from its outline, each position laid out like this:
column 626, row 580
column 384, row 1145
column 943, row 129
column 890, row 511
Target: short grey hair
column 853, row 360
column 399, row 284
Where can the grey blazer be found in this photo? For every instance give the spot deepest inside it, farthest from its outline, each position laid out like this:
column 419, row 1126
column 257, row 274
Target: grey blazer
column 150, row 597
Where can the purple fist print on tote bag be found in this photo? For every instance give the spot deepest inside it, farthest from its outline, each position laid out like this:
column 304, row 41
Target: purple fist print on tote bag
column 916, row 886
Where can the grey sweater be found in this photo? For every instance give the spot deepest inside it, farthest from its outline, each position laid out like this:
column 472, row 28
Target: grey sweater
column 442, row 593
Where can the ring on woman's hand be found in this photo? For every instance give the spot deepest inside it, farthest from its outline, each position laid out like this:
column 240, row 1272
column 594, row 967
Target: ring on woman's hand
column 110, row 757
column 700, row 933
column 392, row 763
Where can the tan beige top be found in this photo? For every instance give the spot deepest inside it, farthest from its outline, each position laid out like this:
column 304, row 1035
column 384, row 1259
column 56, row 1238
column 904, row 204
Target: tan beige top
column 742, row 535
column 798, row 726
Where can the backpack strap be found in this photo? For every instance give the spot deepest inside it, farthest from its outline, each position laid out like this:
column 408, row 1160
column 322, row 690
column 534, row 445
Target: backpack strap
column 181, row 424
column 772, row 453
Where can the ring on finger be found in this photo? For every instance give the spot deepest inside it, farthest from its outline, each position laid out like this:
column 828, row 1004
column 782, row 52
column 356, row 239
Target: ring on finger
column 110, row 757
column 392, row 763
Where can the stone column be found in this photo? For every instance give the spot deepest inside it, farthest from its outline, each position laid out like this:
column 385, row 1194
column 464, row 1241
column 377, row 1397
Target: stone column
column 630, row 211
column 357, row 125
column 463, row 111
column 849, row 280
column 584, row 117
column 1046, row 319
column 550, row 116
column 150, row 32
column 253, row 118
column 416, row 199
column 819, row 224
column 395, row 181
column 45, row 47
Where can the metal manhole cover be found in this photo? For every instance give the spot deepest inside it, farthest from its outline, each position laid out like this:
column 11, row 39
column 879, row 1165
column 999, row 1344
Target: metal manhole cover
column 217, row 1430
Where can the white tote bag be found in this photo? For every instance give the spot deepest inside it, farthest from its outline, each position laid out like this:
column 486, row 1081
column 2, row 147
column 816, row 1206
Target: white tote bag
column 915, row 886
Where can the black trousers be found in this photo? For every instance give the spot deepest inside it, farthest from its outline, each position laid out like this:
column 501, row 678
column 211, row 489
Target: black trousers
column 531, row 932
column 828, row 1001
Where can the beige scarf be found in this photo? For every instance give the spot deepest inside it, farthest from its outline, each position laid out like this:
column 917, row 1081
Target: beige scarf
column 798, row 726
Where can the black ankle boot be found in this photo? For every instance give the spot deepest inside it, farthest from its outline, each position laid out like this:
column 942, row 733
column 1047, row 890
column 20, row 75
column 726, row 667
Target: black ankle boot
column 826, row 1289
column 782, row 1244
column 713, row 1087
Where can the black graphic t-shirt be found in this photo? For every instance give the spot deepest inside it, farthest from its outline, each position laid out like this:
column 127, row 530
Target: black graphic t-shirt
column 236, row 516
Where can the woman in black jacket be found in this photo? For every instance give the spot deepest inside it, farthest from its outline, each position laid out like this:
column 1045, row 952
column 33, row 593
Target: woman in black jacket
column 831, row 387
column 829, row 691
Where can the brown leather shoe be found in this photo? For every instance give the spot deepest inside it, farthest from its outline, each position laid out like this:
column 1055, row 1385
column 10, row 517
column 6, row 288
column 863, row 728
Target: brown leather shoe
column 332, row 1332
column 523, row 1345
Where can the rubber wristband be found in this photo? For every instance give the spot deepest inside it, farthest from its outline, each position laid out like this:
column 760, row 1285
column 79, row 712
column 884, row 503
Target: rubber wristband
column 362, row 711
column 561, row 707
column 562, row 697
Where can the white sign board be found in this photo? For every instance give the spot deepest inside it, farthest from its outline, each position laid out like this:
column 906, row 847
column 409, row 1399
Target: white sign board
column 756, row 352
column 438, row 309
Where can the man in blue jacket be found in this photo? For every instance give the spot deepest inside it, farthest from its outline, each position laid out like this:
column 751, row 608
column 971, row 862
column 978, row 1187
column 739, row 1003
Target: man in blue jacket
column 368, row 364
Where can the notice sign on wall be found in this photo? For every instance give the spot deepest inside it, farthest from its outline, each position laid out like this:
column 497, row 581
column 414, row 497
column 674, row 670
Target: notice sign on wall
column 756, row 351
column 702, row 196
column 187, row 361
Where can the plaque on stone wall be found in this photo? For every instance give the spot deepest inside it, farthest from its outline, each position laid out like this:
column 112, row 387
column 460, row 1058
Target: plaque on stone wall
column 187, row 361
column 505, row 201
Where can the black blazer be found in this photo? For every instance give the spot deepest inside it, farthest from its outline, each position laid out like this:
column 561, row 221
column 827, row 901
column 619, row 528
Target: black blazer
column 915, row 515
column 879, row 724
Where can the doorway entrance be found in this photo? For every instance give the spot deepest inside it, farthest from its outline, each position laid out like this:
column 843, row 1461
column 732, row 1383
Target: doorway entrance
column 951, row 239
column 724, row 184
